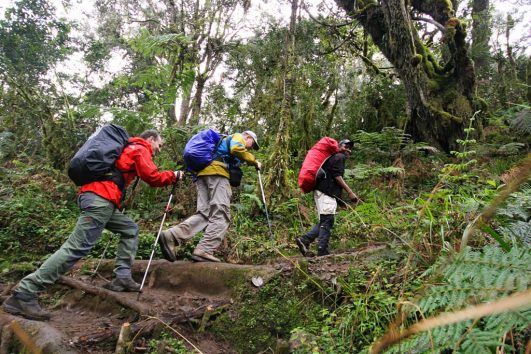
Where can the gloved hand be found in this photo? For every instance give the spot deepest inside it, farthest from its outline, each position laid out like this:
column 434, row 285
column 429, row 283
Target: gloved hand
column 258, row 165
column 179, row 175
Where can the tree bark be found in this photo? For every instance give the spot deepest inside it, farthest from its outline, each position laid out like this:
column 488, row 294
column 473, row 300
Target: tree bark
column 277, row 180
column 510, row 56
column 528, row 79
column 137, row 306
column 198, row 99
column 440, row 97
column 185, row 109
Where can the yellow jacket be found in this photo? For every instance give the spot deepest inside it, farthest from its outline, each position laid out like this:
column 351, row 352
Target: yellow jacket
column 237, row 149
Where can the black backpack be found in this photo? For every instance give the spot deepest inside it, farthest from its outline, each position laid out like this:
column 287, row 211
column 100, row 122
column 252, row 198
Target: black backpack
column 94, row 161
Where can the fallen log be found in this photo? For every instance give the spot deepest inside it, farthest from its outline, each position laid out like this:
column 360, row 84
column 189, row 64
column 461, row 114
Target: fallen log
column 146, row 327
column 139, row 307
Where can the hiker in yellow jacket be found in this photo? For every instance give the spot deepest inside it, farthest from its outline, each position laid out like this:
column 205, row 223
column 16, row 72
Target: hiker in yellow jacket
column 213, row 199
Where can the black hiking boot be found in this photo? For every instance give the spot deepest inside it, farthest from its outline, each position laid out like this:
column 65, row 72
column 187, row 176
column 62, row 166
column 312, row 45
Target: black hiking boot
column 123, row 285
column 303, row 247
column 322, row 252
column 167, row 245
column 28, row 308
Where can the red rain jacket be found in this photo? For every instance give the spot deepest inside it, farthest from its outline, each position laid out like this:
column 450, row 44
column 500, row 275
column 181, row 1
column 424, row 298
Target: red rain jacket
column 135, row 160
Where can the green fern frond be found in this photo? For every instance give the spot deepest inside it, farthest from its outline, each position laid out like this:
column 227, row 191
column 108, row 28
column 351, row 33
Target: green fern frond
column 479, row 341
column 465, row 279
column 521, row 122
column 520, row 230
column 510, row 149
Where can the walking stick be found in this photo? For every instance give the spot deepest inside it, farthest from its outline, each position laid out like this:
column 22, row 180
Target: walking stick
column 157, row 239
column 265, row 206
column 110, row 239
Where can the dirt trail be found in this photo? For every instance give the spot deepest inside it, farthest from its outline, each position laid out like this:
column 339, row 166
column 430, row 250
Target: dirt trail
column 179, row 293
column 87, row 318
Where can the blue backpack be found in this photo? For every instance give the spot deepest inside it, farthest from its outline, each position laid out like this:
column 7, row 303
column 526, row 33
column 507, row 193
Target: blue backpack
column 200, row 150
column 94, row 161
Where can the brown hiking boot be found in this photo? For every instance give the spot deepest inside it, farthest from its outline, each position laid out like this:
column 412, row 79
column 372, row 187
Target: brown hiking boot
column 28, row 308
column 123, row 285
column 167, row 246
column 203, row 256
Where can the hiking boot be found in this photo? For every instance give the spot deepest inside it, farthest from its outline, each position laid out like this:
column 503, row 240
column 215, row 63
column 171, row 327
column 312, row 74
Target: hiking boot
column 203, row 256
column 303, row 247
column 167, row 246
column 123, row 285
column 322, row 252
column 29, row 309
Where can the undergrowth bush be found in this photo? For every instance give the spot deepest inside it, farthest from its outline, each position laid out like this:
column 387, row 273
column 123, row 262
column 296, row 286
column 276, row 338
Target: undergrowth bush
column 37, row 212
column 260, row 316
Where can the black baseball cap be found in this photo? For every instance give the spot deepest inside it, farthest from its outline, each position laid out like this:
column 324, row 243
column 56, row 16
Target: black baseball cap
column 346, row 142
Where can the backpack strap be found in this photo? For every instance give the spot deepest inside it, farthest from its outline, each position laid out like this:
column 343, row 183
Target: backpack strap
column 224, row 158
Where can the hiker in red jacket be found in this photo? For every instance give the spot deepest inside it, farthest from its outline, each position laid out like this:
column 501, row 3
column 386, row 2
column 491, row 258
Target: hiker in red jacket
column 99, row 203
column 330, row 184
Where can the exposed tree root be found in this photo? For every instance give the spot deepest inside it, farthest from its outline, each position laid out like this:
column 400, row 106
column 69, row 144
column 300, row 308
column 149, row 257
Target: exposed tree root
column 137, row 306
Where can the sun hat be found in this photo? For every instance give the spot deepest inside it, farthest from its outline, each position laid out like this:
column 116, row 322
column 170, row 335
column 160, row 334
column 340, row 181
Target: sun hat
column 253, row 135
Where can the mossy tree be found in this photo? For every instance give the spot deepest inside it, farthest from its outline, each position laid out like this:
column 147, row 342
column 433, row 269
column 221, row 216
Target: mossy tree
column 277, row 179
column 439, row 94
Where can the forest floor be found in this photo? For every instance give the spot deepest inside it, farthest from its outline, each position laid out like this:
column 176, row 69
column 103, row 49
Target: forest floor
column 182, row 297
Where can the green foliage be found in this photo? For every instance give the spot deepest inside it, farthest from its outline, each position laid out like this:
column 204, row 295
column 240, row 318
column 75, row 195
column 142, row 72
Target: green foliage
column 261, row 316
column 35, row 213
column 368, row 303
column 513, row 218
column 465, row 279
column 166, row 342
column 520, row 122
column 456, row 172
column 511, row 149
column 31, row 40
column 7, row 145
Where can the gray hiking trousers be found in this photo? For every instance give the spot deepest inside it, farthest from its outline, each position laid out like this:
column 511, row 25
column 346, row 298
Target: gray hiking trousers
column 97, row 213
column 212, row 215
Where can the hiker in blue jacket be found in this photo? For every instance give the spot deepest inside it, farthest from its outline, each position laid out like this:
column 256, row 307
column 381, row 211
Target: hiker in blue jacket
column 330, row 184
column 213, row 200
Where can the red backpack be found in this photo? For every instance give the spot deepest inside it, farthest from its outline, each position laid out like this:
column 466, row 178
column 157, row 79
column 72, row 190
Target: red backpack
column 313, row 161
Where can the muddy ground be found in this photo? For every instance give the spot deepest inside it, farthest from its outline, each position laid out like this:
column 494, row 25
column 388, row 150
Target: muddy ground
column 183, row 295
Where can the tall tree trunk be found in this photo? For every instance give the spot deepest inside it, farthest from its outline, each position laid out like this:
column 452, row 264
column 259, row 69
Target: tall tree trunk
column 439, row 96
column 185, row 109
column 277, row 179
column 510, row 56
column 480, row 50
column 528, row 79
column 331, row 114
column 198, row 99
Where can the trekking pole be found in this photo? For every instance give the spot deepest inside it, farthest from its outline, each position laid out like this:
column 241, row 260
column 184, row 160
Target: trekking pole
column 265, row 206
column 157, row 239
column 93, row 275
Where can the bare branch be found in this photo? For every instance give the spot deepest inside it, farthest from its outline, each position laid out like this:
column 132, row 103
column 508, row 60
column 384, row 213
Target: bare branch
column 429, row 20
